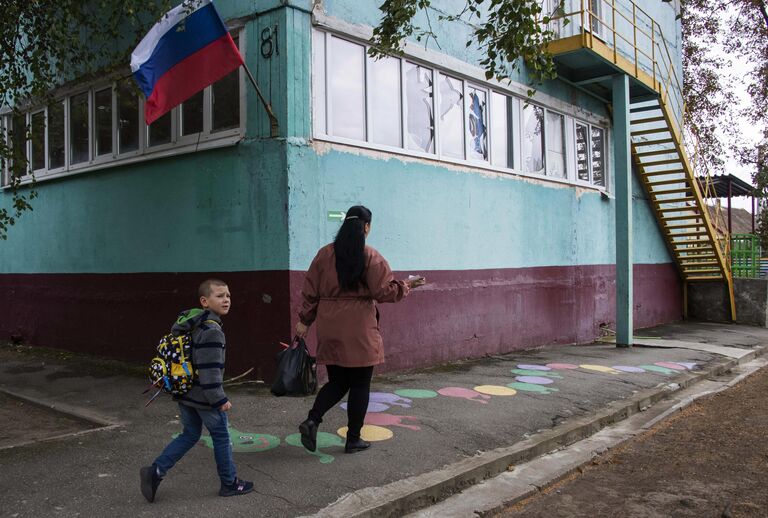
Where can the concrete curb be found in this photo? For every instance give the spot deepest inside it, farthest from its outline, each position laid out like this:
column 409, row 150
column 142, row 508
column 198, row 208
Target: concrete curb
column 404, row 496
column 99, row 422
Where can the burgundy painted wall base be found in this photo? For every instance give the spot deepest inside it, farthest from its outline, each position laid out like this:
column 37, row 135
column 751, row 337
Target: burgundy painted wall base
column 459, row 314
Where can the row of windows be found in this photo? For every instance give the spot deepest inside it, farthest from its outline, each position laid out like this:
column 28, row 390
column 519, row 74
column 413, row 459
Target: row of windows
column 397, row 103
column 105, row 124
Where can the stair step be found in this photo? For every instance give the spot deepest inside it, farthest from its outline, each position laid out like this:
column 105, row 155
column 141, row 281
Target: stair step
column 653, row 142
column 691, row 255
column 651, row 131
column 688, row 241
column 660, row 162
column 657, row 173
column 657, row 152
column 718, row 278
column 679, row 218
column 668, row 182
column 687, row 234
column 674, row 200
column 648, row 120
column 678, row 209
column 671, row 191
column 701, row 263
column 640, row 109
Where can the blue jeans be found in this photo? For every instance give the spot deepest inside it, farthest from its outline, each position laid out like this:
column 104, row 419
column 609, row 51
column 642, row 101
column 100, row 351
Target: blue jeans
column 193, row 419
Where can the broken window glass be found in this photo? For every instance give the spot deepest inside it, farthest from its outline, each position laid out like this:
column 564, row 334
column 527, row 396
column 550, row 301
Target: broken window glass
column 533, row 139
column 420, row 123
column 582, row 153
column 598, row 157
column 384, row 101
column 347, row 84
column 477, row 127
column 451, row 117
column 556, row 145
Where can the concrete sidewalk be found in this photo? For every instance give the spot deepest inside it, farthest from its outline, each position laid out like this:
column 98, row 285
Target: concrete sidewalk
column 437, row 430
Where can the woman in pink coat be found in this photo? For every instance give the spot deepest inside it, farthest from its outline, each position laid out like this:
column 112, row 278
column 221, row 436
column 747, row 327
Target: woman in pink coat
column 342, row 286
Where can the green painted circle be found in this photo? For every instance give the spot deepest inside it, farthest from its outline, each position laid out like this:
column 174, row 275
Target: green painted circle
column 531, row 387
column 416, row 393
column 324, row 440
column 530, row 372
column 253, row 442
column 656, row 368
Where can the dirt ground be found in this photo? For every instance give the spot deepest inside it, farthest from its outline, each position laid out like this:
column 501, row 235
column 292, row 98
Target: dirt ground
column 710, row 460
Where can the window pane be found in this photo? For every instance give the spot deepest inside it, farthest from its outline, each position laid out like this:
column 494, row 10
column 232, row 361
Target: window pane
column 127, row 118
column 598, row 155
column 225, row 95
column 318, row 81
column 19, row 144
column 192, row 114
column 420, row 124
column 56, row 135
column 38, row 141
column 499, row 130
column 347, row 75
column 160, row 131
column 582, row 153
column 103, row 118
column 451, row 117
column 385, row 101
column 555, row 145
column 477, row 124
column 78, row 128
column 533, row 139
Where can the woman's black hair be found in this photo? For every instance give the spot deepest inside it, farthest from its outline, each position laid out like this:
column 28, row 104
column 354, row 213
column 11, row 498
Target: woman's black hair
column 349, row 247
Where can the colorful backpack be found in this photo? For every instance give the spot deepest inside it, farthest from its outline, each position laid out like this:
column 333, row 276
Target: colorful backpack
column 172, row 370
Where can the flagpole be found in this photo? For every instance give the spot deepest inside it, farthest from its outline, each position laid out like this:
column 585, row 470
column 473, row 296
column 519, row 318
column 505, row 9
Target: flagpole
column 272, row 118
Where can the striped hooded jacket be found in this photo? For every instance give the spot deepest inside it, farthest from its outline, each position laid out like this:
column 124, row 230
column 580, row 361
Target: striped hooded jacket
column 208, row 354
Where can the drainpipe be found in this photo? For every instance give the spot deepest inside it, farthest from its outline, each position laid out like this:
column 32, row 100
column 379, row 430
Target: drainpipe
column 623, row 172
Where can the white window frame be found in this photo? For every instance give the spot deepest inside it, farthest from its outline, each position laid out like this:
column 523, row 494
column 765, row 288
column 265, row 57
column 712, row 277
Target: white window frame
column 515, row 123
column 179, row 144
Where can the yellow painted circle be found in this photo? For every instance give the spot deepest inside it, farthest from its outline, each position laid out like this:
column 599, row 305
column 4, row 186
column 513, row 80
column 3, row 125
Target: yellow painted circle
column 599, row 368
column 495, row 390
column 370, row 432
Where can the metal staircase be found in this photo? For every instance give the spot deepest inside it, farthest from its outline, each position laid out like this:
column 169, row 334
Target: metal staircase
column 604, row 38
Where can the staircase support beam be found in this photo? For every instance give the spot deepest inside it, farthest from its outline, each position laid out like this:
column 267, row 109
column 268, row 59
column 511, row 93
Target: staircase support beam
column 623, row 171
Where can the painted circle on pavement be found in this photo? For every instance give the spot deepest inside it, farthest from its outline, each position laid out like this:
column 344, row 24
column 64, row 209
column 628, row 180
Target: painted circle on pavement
column 598, row 368
column 373, row 406
column 670, row 365
column 627, row 368
column 464, row 393
column 495, row 390
column 529, row 372
column 536, row 380
column 656, row 368
column 533, row 367
column 416, row 393
column 530, row 387
column 562, row 366
column 370, row 432
column 688, row 365
column 324, row 440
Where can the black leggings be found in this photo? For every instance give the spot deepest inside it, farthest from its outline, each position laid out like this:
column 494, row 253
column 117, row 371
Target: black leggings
column 356, row 381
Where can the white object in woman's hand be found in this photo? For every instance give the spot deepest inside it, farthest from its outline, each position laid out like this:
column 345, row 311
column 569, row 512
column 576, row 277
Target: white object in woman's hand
column 414, row 281
column 301, row 330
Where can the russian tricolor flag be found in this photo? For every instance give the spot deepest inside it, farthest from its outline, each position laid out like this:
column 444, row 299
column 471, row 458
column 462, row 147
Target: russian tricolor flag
column 187, row 50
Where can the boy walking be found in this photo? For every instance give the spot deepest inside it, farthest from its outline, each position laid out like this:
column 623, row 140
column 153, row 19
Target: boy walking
column 206, row 403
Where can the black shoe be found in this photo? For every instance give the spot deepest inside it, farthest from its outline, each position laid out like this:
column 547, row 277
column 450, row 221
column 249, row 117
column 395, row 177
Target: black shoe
column 238, row 487
column 356, row 445
column 149, row 482
column 308, row 431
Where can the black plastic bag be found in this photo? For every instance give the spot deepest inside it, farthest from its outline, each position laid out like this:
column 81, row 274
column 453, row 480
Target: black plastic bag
column 296, row 371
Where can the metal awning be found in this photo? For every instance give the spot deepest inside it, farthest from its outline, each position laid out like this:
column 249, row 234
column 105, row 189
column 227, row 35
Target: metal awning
column 728, row 184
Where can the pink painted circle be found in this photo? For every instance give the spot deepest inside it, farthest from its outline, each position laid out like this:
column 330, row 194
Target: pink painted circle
column 670, row 365
column 532, row 367
column 562, row 366
column 536, row 380
column 627, row 368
